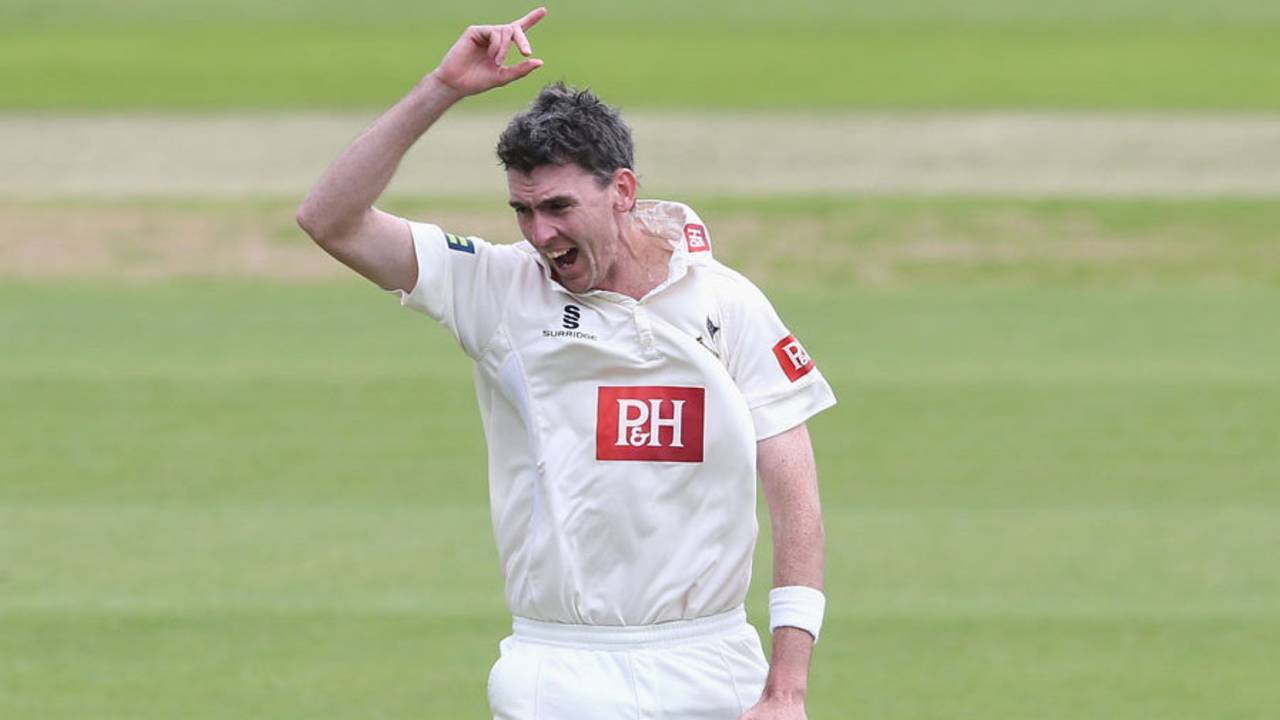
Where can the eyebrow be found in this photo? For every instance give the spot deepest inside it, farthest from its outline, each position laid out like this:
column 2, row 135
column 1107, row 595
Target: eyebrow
column 565, row 199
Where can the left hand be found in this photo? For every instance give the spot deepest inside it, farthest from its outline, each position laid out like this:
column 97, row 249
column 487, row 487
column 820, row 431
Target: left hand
column 776, row 709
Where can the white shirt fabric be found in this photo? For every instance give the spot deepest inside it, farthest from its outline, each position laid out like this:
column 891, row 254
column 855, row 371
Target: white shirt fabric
column 621, row 433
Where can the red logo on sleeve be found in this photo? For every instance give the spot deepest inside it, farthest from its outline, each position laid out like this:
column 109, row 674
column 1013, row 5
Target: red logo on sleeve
column 661, row 424
column 695, row 237
column 795, row 362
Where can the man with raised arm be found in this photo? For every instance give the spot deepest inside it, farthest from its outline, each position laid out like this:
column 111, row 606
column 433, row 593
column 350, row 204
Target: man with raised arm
column 630, row 387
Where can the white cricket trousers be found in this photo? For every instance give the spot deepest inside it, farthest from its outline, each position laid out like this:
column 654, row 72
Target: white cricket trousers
column 710, row 668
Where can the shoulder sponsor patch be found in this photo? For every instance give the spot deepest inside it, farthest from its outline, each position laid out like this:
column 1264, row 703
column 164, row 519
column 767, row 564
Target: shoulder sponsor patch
column 650, row 423
column 459, row 243
column 792, row 358
column 696, row 238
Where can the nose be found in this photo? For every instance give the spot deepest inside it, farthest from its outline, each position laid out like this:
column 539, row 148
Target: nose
column 541, row 232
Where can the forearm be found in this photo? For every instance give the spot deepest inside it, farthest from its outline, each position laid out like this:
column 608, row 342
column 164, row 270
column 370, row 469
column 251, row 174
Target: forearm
column 351, row 185
column 798, row 547
column 798, row 553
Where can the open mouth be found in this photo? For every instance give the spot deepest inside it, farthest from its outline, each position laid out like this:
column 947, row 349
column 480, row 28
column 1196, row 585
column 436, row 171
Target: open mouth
column 565, row 258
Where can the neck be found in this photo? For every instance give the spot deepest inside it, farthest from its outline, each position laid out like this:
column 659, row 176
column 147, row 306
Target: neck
column 642, row 261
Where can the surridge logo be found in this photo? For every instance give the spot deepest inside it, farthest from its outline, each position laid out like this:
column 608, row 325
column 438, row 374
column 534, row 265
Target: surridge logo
column 572, row 313
column 571, row 322
column 650, row 423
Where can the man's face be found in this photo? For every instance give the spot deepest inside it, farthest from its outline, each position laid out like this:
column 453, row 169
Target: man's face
column 565, row 213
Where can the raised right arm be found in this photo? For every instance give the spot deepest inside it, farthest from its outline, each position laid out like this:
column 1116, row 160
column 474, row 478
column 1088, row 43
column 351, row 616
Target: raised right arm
column 339, row 214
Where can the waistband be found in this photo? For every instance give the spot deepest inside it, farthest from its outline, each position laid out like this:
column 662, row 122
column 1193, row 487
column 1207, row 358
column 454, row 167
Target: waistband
column 629, row 636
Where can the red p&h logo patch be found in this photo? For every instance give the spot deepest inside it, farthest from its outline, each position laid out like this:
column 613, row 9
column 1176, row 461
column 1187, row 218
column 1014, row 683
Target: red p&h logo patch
column 795, row 362
column 695, row 237
column 650, row 423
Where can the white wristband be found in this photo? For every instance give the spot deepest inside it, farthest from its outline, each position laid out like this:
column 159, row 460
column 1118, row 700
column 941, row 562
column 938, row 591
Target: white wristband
column 797, row 606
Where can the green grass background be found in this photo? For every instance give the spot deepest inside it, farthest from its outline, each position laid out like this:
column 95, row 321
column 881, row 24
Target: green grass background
column 1047, row 494
column 1052, row 486
column 93, row 55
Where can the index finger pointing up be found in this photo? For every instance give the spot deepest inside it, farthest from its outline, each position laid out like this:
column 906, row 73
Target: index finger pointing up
column 532, row 18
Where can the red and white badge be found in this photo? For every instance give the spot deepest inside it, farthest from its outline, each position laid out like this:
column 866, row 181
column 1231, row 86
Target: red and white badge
column 696, row 239
column 793, row 359
column 650, row 423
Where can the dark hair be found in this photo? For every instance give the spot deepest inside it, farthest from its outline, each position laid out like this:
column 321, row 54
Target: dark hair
column 566, row 125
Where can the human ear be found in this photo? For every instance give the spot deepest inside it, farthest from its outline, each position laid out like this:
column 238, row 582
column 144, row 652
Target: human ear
column 625, row 186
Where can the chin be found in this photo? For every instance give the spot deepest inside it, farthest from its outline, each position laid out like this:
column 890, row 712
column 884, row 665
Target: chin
column 579, row 284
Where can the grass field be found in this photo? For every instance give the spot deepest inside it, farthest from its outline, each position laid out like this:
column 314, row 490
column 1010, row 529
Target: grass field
column 1048, row 494
column 926, row 54
column 235, row 482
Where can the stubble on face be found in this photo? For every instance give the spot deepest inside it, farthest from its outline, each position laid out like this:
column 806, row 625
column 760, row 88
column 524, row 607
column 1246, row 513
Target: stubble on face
column 565, row 214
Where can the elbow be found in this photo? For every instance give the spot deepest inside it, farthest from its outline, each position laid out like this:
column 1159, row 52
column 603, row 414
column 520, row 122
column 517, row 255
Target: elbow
column 311, row 223
column 326, row 228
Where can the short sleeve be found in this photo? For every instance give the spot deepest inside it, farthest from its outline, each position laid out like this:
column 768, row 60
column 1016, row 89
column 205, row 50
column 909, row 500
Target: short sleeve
column 780, row 381
column 462, row 282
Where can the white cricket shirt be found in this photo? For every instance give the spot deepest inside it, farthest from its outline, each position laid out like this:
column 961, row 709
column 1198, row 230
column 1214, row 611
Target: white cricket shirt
column 621, row 433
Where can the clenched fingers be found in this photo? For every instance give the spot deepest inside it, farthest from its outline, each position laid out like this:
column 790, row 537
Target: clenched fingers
column 517, row 71
column 522, row 41
column 500, row 42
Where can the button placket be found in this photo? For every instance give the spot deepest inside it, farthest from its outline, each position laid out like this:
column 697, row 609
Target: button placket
column 644, row 330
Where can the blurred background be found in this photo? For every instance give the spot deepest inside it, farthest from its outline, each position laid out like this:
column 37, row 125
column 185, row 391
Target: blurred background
column 1033, row 246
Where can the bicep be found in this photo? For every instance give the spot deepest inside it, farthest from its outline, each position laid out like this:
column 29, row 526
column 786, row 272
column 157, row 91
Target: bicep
column 379, row 247
column 788, row 473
